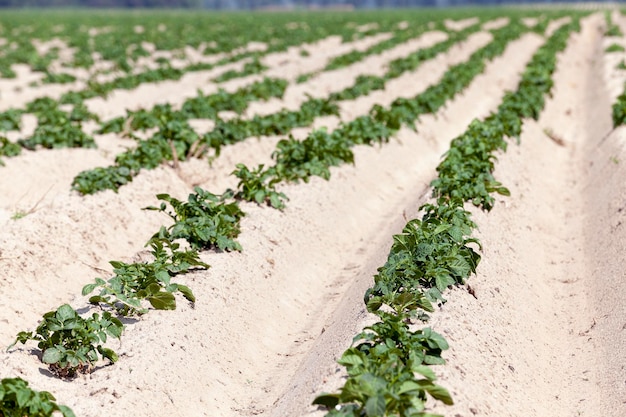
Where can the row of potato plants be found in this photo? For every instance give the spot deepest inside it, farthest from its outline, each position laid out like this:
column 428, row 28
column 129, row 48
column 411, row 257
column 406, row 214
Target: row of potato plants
column 73, row 343
column 388, row 364
column 119, row 42
column 152, row 152
column 58, row 128
column 299, row 160
column 619, row 107
column 56, row 135
column 119, row 38
column 355, row 56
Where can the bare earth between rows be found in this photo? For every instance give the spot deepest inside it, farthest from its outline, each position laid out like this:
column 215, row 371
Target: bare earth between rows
column 543, row 337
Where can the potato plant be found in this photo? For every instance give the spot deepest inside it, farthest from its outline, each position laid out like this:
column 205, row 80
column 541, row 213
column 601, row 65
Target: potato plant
column 71, row 344
column 17, row 399
column 151, row 281
column 432, row 254
column 205, row 220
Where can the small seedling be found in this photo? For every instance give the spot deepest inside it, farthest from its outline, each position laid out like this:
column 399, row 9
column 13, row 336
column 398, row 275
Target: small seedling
column 71, row 344
column 18, row 399
column 614, row 48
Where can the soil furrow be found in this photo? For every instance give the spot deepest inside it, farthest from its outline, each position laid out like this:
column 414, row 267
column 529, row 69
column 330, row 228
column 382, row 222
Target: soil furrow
column 502, row 74
column 113, row 224
column 57, row 168
column 407, row 85
column 267, row 305
column 537, row 336
column 176, row 92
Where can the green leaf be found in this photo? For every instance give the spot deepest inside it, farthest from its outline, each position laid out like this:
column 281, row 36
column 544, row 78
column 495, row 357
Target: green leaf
column 108, row 353
column 186, row 292
column 23, row 397
column 443, row 280
column 503, row 191
column 375, row 406
column 439, row 393
column 163, row 301
column 374, row 303
column 51, row 355
column 409, row 386
column 259, row 196
column 87, row 289
column 350, row 359
column 442, row 228
column 65, row 313
column 425, row 371
column 66, row 411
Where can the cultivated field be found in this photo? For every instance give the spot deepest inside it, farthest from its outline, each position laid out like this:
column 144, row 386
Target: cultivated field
column 391, row 213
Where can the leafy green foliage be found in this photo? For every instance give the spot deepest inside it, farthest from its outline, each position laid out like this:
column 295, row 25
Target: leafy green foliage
column 614, row 48
column 299, row 160
column 619, row 110
column 71, row 344
column 58, row 136
column 364, row 130
column 175, row 133
column 388, row 372
column 611, row 28
column 58, row 78
column 208, row 107
column 363, row 85
column 17, row 399
column 175, row 140
column 8, row 148
column 249, row 68
column 413, row 61
column 204, row 220
column 57, row 128
column 258, row 185
column 466, row 171
column 10, row 120
column 434, row 253
column 137, row 281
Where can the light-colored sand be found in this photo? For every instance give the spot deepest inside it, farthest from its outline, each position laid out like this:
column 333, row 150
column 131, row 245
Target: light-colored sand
column 39, row 182
column 554, row 25
column 424, row 148
column 460, row 24
column 327, row 82
column 530, row 21
column 496, row 23
column 544, row 337
column 176, row 92
column 544, row 334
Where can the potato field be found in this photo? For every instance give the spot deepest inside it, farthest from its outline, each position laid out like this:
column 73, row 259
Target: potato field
column 404, row 213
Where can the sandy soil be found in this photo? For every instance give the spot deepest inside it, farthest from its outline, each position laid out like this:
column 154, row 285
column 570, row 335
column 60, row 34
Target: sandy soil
column 58, row 168
column 545, row 336
column 460, row 24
